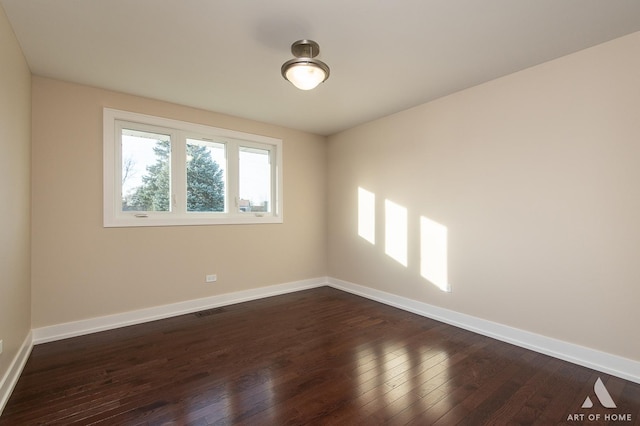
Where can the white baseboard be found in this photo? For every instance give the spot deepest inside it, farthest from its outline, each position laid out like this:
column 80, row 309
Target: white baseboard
column 601, row 361
column 591, row 358
column 109, row 322
column 8, row 382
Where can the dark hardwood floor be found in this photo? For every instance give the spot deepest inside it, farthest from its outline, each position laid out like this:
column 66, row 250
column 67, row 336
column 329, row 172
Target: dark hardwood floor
column 320, row 356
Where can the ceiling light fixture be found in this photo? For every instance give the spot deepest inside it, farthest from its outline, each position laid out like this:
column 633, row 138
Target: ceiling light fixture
column 304, row 71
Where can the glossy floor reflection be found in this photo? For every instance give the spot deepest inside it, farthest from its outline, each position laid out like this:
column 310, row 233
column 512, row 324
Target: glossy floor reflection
column 320, row 356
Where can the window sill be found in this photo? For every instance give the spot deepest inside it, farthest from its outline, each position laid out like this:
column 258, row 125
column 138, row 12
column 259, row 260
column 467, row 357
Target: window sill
column 159, row 220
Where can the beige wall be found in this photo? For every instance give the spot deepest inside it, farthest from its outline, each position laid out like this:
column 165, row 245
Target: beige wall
column 15, row 194
column 82, row 270
column 536, row 177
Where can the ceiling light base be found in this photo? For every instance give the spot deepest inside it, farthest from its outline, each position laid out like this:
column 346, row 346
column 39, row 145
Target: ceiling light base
column 305, row 49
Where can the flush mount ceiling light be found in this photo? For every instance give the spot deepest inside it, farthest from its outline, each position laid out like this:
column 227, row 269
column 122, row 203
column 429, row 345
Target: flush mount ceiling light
column 304, row 71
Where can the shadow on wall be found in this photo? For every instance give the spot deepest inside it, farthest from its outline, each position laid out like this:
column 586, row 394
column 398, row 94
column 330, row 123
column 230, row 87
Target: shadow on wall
column 433, row 237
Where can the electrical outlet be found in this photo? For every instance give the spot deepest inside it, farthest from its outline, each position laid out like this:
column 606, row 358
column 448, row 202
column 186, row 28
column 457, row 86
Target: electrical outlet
column 211, row 278
column 0, row 347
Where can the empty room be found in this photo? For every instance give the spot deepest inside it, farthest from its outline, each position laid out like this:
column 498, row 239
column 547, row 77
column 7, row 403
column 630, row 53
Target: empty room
column 341, row 212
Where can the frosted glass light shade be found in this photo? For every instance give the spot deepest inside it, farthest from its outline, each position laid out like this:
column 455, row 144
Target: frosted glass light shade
column 305, row 76
column 304, row 71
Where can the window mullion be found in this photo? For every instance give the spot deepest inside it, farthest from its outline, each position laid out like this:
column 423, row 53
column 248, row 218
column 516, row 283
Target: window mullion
column 178, row 173
column 275, row 188
column 233, row 193
column 117, row 176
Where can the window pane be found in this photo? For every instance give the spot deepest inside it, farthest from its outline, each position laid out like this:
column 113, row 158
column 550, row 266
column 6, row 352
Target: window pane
column 255, row 180
column 206, row 165
column 146, row 159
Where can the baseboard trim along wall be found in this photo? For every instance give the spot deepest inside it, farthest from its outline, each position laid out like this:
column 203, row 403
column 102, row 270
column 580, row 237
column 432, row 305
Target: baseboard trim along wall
column 590, row 358
column 10, row 379
column 601, row 361
column 109, row 322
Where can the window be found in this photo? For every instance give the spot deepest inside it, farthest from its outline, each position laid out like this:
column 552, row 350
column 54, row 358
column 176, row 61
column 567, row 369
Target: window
column 161, row 172
column 255, row 185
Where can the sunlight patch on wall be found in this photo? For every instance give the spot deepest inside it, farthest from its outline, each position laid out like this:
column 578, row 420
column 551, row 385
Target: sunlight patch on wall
column 367, row 215
column 395, row 232
column 433, row 253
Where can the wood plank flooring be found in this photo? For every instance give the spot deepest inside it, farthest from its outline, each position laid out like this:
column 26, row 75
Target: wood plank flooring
column 320, row 356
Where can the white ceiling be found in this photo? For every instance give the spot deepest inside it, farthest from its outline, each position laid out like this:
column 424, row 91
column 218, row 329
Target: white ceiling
column 225, row 55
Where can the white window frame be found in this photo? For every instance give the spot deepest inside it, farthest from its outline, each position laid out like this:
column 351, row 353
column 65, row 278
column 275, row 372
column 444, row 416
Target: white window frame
column 180, row 131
